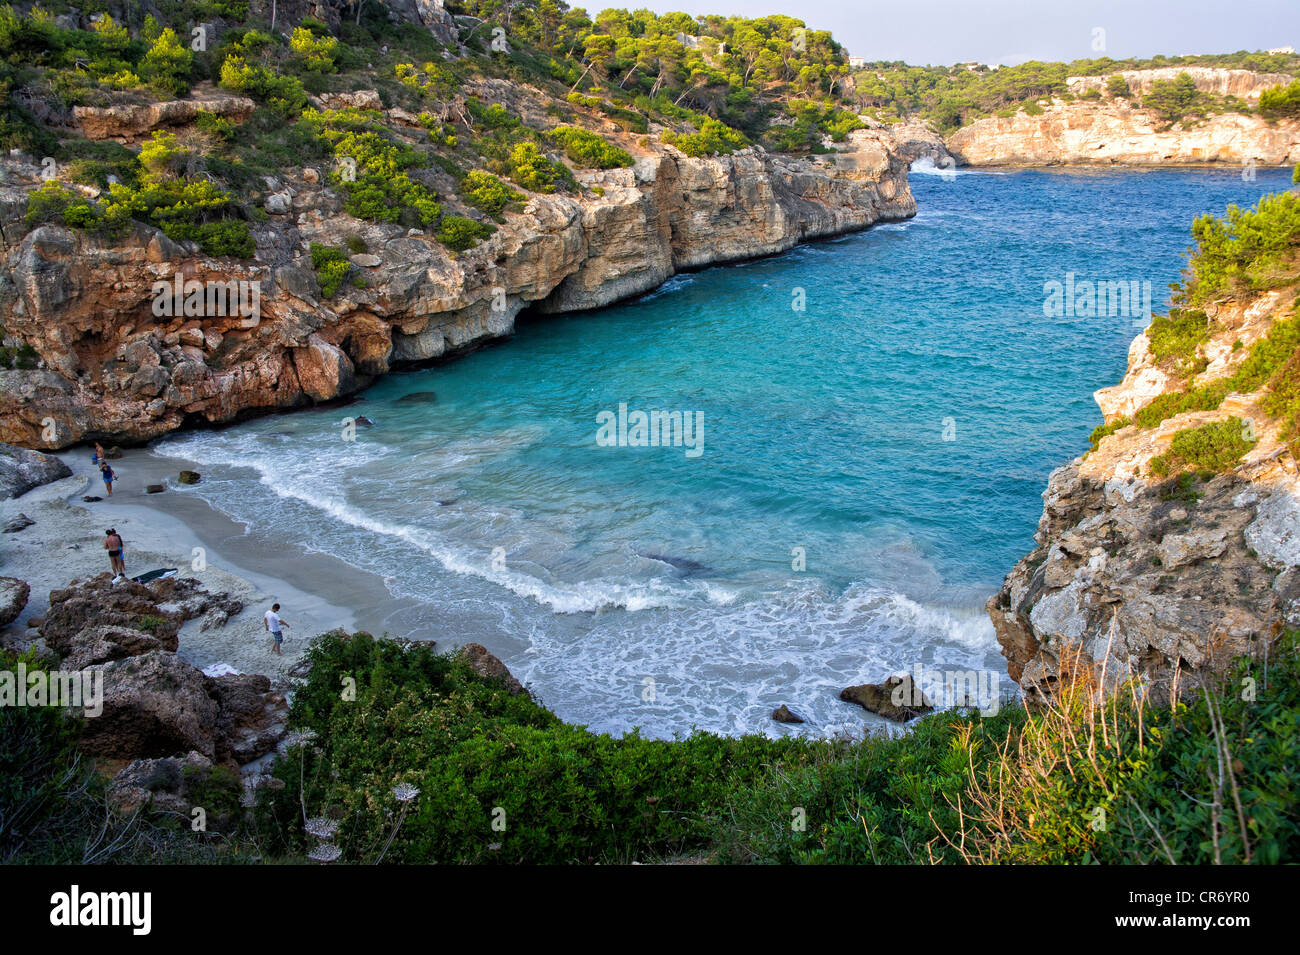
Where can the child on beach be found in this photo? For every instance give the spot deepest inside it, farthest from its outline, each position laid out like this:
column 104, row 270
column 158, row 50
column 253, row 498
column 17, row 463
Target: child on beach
column 109, row 477
column 274, row 624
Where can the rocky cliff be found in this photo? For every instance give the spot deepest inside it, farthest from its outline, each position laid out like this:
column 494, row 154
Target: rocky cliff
column 112, row 369
column 1162, row 580
column 1117, row 133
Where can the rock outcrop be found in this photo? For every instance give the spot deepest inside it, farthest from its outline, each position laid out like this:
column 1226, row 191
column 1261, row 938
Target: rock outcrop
column 1243, row 84
column 1161, row 581
column 13, row 598
column 156, row 705
column 487, row 665
column 110, row 369
column 130, row 123
column 1116, row 133
column 22, row 470
column 896, row 699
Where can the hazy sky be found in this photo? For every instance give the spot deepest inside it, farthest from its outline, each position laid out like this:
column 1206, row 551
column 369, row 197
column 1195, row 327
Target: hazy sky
column 1011, row 31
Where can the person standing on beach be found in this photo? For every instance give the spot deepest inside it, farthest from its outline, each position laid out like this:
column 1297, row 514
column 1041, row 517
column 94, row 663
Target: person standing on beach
column 99, row 456
column 113, row 544
column 275, row 625
column 109, row 477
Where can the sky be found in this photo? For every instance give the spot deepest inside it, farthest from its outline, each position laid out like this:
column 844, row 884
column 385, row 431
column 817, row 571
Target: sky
column 1012, row 31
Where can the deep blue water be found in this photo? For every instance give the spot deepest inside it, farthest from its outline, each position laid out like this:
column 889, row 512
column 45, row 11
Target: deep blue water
column 898, row 430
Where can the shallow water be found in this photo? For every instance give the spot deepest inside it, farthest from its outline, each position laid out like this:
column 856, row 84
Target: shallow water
column 896, row 434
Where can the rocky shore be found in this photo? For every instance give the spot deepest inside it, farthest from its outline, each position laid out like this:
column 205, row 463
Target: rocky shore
column 110, row 369
column 1166, row 581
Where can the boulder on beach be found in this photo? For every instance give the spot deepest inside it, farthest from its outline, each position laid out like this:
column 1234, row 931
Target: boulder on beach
column 189, row 477
column 103, row 644
column 16, row 524
column 22, row 470
column 485, row 664
column 154, row 488
column 895, row 699
column 783, row 714
column 13, row 598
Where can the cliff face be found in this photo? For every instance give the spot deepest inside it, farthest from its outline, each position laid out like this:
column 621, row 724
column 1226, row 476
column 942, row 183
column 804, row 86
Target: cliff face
column 1138, row 577
column 114, row 370
column 1116, row 133
column 1244, row 84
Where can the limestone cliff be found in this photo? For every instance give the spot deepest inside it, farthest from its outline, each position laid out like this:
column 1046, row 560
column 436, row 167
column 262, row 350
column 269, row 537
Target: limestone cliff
column 1116, row 130
column 111, row 369
column 1117, row 133
column 1161, row 580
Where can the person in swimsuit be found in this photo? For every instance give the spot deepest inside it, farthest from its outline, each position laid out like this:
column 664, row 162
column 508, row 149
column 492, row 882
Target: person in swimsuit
column 107, row 474
column 99, row 456
column 113, row 544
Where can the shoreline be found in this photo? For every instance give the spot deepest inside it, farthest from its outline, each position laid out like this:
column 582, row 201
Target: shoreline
column 318, row 593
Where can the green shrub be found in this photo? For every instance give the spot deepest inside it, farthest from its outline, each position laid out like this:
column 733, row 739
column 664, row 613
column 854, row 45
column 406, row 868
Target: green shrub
column 315, row 53
column 589, row 150
column 530, row 168
column 166, row 67
column 459, row 233
column 713, row 138
column 1281, row 102
column 332, row 267
column 1217, row 446
column 1178, row 334
column 486, row 192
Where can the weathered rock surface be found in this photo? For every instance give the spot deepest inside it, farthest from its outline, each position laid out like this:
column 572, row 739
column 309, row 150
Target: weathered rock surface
column 112, row 370
column 1138, row 577
column 485, row 664
column 22, row 470
column 252, row 716
column 176, row 785
column 18, row 523
column 154, row 705
column 1116, row 133
column 13, row 598
column 896, row 699
column 128, row 123
column 1244, row 84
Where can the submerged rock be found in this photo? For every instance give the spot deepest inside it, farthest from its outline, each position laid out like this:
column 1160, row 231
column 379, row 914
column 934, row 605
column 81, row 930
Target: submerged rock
column 782, row 714
column 189, row 477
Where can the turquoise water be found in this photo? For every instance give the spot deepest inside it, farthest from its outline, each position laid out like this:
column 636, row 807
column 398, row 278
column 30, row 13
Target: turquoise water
column 896, row 433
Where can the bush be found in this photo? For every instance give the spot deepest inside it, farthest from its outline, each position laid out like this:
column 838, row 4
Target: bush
column 166, row 67
column 332, row 267
column 589, row 150
column 1217, row 446
column 713, row 138
column 1178, row 334
column 529, row 167
column 486, row 192
column 458, row 233
column 284, row 94
column 314, row 53
column 1118, row 87
column 1281, row 102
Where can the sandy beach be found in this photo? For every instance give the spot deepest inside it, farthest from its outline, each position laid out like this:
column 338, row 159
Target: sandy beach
column 176, row 529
